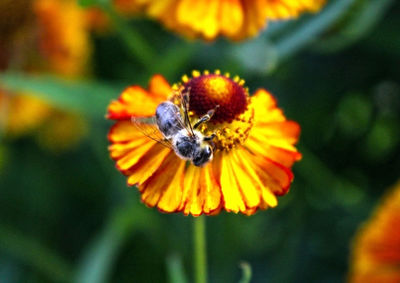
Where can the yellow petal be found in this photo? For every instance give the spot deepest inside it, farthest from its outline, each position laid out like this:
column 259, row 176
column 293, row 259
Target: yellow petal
column 268, row 199
column 134, row 101
column 133, row 156
column 192, row 201
column 230, row 16
column 230, row 190
column 210, row 189
column 246, row 178
column 148, row 164
column 168, row 177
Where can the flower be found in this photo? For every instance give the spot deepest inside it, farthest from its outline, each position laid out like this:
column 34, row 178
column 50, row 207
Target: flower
column 376, row 249
column 63, row 36
column 254, row 147
column 42, row 36
column 235, row 19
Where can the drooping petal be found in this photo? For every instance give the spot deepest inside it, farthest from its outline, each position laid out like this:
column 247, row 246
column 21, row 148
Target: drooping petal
column 268, row 199
column 124, row 131
column 159, row 88
column 233, row 199
column 230, row 17
column 133, row 102
column 272, row 174
column 236, row 19
column 254, row 19
column 138, row 102
column 147, row 165
column 376, row 249
column 272, row 135
column 266, row 109
column 192, row 201
column 201, row 191
column 164, row 188
column 246, row 180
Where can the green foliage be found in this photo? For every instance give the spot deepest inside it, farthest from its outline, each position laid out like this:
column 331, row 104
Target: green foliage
column 70, row 217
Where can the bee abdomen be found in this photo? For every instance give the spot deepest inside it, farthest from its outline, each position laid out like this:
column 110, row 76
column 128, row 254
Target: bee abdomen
column 168, row 119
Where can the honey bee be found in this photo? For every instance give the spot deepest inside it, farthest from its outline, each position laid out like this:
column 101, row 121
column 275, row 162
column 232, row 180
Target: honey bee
column 177, row 132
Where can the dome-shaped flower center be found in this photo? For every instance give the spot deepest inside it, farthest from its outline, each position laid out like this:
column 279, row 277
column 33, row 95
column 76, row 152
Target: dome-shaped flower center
column 233, row 118
column 212, row 90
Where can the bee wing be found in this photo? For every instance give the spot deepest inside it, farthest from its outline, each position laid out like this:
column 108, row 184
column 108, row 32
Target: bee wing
column 148, row 127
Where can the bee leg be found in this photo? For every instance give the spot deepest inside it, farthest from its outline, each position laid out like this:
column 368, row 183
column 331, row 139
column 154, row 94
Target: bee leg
column 209, row 138
column 205, row 118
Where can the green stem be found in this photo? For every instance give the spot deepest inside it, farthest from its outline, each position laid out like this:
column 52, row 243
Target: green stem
column 200, row 258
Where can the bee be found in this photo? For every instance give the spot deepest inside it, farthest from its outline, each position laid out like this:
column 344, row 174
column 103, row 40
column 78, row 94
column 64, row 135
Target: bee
column 177, row 132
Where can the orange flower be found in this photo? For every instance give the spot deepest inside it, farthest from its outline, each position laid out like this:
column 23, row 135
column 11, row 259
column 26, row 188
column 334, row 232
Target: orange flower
column 376, row 250
column 43, row 36
column 254, row 147
column 63, row 35
column 235, row 19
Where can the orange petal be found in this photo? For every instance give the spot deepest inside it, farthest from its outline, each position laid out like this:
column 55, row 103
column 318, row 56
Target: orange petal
column 159, row 88
column 278, row 134
column 255, row 18
column 211, row 190
column 246, row 178
column 279, row 155
column 265, row 107
column 147, row 165
column 164, row 187
column 118, row 150
column 124, row 131
column 132, row 157
column 273, row 175
column 134, row 101
column 192, row 200
column 268, row 199
column 201, row 191
column 233, row 199
column 230, row 16
column 201, row 16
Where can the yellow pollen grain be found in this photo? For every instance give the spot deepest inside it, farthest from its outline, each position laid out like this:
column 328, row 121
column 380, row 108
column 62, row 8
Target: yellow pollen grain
column 230, row 135
column 196, row 74
column 185, row 78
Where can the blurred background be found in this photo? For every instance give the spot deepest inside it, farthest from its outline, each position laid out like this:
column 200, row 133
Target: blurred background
column 66, row 213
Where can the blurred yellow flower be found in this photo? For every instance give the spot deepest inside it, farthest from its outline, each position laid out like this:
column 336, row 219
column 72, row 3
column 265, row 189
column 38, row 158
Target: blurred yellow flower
column 63, row 37
column 376, row 250
column 43, row 36
column 235, row 19
column 252, row 156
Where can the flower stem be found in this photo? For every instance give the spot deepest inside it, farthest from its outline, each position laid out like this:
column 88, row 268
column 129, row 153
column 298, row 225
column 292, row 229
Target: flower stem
column 200, row 258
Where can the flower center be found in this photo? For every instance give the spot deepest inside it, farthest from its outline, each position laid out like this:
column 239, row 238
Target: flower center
column 233, row 118
column 209, row 91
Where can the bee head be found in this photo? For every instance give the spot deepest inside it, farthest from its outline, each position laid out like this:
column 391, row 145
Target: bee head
column 202, row 155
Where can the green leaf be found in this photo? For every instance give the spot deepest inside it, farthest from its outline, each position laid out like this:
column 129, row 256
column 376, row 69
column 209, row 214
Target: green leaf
column 89, row 98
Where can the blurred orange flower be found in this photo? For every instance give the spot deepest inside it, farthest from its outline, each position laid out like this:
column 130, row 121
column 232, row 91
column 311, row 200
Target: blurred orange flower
column 42, row 36
column 376, row 250
column 253, row 155
column 235, row 19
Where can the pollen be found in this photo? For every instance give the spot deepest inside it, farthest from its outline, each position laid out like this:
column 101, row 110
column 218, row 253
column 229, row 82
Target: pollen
column 215, row 91
column 228, row 135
